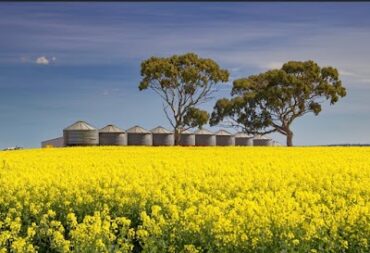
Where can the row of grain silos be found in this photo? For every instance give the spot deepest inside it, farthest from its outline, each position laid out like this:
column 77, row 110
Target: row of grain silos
column 83, row 134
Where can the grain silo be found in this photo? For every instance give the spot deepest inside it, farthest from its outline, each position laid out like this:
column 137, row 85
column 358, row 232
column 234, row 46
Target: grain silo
column 112, row 136
column 162, row 137
column 204, row 137
column 224, row 138
column 187, row 138
column 53, row 143
column 262, row 141
column 243, row 139
column 80, row 134
column 138, row 136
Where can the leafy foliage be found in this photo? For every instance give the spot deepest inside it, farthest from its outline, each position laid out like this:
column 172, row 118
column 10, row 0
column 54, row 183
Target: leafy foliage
column 195, row 117
column 272, row 100
column 183, row 82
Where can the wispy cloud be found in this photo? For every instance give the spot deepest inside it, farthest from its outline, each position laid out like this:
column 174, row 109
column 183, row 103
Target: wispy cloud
column 99, row 47
column 253, row 45
column 273, row 65
column 112, row 91
column 42, row 60
column 347, row 73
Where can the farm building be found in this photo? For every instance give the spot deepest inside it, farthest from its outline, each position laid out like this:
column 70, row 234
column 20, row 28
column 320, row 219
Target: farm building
column 112, row 135
column 224, row 138
column 80, row 134
column 203, row 137
column 187, row 138
column 139, row 136
column 83, row 134
column 53, row 143
column 162, row 137
column 243, row 139
column 276, row 144
column 262, row 141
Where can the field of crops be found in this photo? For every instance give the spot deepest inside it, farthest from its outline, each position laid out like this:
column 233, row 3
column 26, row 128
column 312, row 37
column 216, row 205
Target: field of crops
column 212, row 199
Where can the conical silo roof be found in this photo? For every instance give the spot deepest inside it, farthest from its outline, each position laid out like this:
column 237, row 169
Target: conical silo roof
column 80, row 125
column 137, row 130
column 223, row 132
column 261, row 137
column 186, row 132
column 111, row 129
column 204, row 132
column 243, row 135
column 160, row 130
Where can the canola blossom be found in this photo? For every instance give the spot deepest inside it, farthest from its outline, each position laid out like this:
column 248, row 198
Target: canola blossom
column 210, row 199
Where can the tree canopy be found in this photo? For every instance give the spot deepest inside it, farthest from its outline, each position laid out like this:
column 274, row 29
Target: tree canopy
column 271, row 101
column 183, row 82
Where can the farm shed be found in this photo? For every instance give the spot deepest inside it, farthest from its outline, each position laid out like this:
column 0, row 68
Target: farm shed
column 162, row 137
column 262, row 141
column 187, row 138
column 139, row 136
column 112, row 135
column 203, row 137
column 53, row 143
column 243, row 139
column 80, row 134
column 224, row 138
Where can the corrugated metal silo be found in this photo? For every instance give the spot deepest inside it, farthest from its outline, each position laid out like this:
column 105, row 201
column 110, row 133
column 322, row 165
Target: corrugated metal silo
column 162, row 137
column 262, row 141
column 112, row 135
column 204, row 137
column 187, row 138
column 224, row 138
column 53, row 143
column 80, row 134
column 243, row 139
column 138, row 136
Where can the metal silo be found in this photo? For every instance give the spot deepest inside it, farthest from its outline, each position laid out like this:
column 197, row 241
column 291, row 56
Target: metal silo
column 138, row 136
column 224, row 138
column 53, row 143
column 162, row 137
column 80, row 134
column 204, row 137
column 112, row 135
column 243, row 139
column 262, row 141
column 187, row 138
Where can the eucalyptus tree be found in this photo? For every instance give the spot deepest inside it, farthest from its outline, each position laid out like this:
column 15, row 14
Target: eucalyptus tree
column 183, row 82
column 271, row 101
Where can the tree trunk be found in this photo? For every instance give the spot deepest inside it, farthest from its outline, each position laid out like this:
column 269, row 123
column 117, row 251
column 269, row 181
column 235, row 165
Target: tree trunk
column 177, row 136
column 289, row 138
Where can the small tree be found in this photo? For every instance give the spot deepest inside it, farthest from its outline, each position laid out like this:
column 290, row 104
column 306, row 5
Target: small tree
column 183, row 82
column 271, row 101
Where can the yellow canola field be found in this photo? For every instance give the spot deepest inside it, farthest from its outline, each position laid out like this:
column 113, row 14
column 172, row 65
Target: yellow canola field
column 215, row 199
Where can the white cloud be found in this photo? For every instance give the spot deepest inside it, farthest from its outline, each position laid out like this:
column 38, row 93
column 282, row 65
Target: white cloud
column 24, row 59
column 347, row 73
column 273, row 65
column 364, row 80
column 113, row 91
column 42, row 60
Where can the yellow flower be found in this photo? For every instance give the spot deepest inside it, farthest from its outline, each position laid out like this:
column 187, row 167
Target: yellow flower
column 177, row 199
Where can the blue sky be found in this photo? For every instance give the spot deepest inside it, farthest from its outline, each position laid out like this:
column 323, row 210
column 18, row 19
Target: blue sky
column 61, row 62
